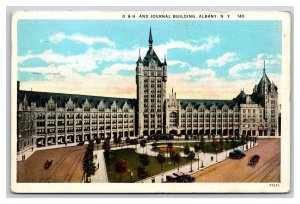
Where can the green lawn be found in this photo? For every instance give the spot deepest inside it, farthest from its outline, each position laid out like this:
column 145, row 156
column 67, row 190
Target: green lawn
column 208, row 147
column 133, row 162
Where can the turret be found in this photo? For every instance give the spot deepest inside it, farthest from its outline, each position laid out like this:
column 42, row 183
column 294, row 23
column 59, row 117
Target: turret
column 150, row 41
column 165, row 69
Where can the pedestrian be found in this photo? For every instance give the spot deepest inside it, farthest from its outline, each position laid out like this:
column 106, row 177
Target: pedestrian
column 153, row 180
column 211, row 158
column 162, row 178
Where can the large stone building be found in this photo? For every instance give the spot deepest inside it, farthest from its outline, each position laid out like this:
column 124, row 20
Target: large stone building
column 54, row 118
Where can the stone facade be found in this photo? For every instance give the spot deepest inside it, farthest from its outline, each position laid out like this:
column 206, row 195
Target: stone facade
column 53, row 118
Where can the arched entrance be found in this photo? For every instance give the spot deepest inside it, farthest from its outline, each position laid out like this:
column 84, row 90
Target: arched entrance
column 70, row 138
column 174, row 132
column 40, row 142
column 79, row 138
column 87, row 137
column 51, row 141
column 272, row 132
column 61, row 140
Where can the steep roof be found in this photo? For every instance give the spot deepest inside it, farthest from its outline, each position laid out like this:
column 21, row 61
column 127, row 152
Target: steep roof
column 206, row 102
column 151, row 55
column 40, row 98
column 264, row 81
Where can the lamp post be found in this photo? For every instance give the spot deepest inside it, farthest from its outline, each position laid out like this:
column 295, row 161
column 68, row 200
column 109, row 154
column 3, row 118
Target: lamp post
column 217, row 155
column 198, row 161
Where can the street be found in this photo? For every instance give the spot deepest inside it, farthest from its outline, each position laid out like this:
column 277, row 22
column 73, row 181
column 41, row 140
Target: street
column 266, row 170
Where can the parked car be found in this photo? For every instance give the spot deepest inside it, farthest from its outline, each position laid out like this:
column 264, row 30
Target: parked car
column 236, row 154
column 171, row 178
column 48, row 164
column 254, row 160
column 183, row 178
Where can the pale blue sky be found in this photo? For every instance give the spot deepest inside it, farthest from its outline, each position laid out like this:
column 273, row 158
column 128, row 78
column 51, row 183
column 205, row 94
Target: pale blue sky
column 53, row 52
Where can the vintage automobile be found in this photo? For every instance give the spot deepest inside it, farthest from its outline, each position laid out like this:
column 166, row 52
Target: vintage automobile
column 254, row 160
column 48, row 164
column 180, row 177
column 171, row 178
column 236, row 154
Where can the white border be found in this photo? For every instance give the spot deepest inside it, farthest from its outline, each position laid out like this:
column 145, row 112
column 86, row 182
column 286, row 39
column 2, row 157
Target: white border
column 158, row 188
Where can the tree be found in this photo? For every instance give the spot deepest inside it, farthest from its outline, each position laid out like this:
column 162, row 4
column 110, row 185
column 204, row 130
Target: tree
column 186, row 150
column 106, row 147
column 191, row 156
column 116, row 140
column 142, row 172
column 177, row 159
column 197, row 149
column 209, row 137
column 154, row 146
column 172, row 155
column 161, row 159
column 221, row 143
column 169, row 146
column 127, row 140
column 202, row 141
column 143, row 144
column 215, row 144
column 89, row 166
column 121, row 167
column 226, row 142
column 144, row 159
column 98, row 140
column 134, row 142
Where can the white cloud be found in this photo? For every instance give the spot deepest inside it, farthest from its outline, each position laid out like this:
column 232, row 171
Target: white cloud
column 196, row 46
column 222, row 60
column 255, row 64
column 177, row 62
column 212, row 87
column 195, row 71
column 90, row 57
column 77, row 37
column 115, row 68
column 88, row 60
column 205, row 85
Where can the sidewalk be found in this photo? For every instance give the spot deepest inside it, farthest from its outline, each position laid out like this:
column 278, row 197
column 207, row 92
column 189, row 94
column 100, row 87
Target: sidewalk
column 100, row 174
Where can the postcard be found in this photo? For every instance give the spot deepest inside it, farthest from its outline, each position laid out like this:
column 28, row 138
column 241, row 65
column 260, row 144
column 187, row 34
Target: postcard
column 150, row 101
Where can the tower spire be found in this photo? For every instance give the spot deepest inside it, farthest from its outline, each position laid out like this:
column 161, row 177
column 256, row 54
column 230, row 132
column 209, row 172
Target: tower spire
column 150, row 39
column 264, row 71
column 139, row 58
